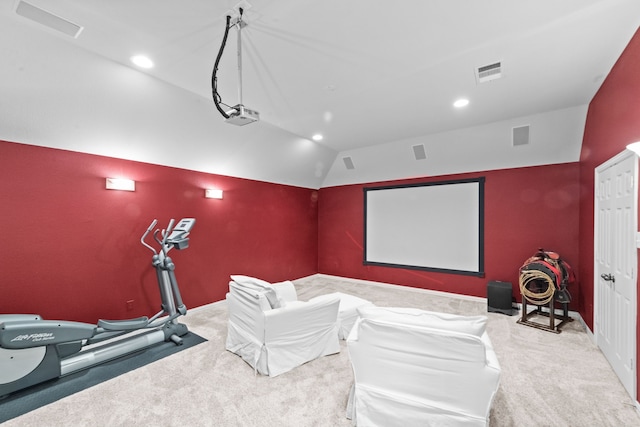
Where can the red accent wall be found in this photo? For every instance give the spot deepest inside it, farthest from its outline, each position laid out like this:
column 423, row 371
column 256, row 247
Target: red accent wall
column 613, row 121
column 70, row 249
column 525, row 209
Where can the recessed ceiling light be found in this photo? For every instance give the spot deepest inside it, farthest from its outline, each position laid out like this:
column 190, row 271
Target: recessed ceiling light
column 317, row 137
column 142, row 61
column 462, row 102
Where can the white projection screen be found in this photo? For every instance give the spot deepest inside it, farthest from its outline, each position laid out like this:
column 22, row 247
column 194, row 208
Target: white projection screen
column 435, row 226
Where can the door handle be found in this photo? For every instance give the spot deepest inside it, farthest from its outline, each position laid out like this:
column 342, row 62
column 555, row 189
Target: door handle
column 608, row 277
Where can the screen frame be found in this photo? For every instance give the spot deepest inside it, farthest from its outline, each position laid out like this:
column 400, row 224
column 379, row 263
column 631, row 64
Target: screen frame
column 481, row 193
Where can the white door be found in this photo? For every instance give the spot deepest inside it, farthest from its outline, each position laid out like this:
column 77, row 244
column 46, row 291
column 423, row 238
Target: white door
column 615, row 265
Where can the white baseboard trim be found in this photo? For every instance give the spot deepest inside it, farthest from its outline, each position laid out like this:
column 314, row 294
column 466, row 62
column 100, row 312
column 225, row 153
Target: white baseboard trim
column 404, row 287
column 211, row 304
column 572, row 314
column 586, row 328
column 302, row 280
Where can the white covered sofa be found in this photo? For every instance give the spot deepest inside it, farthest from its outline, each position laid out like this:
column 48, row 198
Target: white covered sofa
column 274, row 332
column 419, row 368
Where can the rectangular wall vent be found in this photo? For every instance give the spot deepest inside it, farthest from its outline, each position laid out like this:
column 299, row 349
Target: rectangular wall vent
column 489, row 72
column 520, row 135
column 418, row 152
column 48, row 19
column 348, row 163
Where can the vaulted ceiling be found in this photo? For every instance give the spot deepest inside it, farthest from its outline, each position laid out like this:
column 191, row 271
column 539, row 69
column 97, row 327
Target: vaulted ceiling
column 374, row 78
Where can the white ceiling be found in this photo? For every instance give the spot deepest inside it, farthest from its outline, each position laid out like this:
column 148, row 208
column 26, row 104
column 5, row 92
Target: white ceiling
column 374, row 77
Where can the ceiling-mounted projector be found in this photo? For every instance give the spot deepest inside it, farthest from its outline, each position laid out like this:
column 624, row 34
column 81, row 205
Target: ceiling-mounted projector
column 238, row 115
column 242, row 116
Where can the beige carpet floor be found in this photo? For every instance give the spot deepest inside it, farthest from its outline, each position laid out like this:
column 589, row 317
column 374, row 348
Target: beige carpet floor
column 547, row 379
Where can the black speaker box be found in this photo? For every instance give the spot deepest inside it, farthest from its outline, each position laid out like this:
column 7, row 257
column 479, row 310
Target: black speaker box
column 500, row 298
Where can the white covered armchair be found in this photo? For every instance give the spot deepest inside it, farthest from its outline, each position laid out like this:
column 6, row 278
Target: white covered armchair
column 419, row 368
column 274, row 332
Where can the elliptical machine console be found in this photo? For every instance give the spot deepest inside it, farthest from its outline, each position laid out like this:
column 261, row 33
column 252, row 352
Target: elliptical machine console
column 33, row 350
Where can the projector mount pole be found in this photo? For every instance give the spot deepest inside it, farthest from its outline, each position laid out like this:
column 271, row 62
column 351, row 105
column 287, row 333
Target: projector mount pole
column 238, row 114
column 240, row 23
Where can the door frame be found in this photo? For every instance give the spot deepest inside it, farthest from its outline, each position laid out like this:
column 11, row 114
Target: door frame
column 596, row 274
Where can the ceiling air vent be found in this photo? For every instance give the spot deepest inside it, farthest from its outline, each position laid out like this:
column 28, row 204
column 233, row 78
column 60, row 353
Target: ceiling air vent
column 48, row 19
column 520, row 136
column 348, row 163
column 486, row 73
column 418, row 152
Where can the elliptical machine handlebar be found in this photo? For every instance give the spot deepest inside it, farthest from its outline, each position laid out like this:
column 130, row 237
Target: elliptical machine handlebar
column 165, row 235
column 146, row 233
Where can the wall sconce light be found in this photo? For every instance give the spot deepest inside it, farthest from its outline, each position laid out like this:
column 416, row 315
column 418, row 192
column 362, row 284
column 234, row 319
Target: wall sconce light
column 121, row 184
column 213, row 193
column 635, row 147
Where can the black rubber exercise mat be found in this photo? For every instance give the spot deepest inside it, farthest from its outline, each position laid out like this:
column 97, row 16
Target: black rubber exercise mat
column 27, row 400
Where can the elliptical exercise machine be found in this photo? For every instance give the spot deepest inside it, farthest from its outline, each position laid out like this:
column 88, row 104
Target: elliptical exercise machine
column 33, row 350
